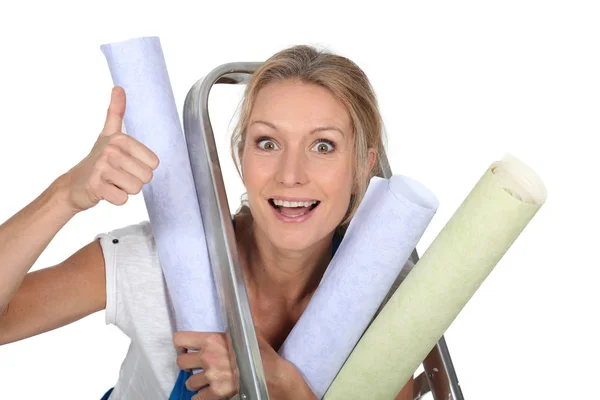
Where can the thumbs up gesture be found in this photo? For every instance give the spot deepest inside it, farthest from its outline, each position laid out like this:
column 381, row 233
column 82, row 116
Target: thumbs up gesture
column 117, row 166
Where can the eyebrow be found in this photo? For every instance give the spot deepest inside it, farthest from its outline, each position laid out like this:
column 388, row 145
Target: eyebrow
column 318, row 129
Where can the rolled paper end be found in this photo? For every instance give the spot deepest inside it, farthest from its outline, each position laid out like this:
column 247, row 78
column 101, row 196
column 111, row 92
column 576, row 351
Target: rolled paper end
column 106, row 46
column 406, row 188
column 519, row 180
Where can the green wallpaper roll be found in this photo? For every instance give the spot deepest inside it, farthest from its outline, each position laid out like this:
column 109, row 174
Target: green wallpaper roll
column 449, row 273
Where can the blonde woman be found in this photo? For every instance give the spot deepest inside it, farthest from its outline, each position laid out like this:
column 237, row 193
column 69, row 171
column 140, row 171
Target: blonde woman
column 306, row 146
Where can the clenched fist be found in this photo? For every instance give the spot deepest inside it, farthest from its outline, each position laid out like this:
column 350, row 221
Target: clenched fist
column 117, row 166
column 218, row 379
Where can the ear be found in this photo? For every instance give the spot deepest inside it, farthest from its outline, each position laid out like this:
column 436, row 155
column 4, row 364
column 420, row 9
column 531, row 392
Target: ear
column 372, row 158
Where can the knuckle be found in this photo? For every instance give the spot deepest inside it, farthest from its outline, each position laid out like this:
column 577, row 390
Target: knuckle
column 223, row 388
column 110, row 152
column 206, row 358
column 214, row 340
column 209, row 341
column 116, row 138
column 219, row 389
column 209, row 374
column 138, row 187
column 228, row 375
column 147, row 176
column 101, row 167
column 112, row 149
column 225, row 374
column 102, row 158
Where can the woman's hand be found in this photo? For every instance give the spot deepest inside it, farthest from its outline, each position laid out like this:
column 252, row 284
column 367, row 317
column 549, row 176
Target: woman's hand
column 284, row 381
column 212, row 356
column 117, row 166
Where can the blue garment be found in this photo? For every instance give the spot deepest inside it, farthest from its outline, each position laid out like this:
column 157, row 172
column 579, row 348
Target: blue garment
column 180, row 392
column 107, row 394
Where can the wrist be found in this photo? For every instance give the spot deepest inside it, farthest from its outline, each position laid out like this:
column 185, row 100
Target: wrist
column 57, row 199
column 295, row 387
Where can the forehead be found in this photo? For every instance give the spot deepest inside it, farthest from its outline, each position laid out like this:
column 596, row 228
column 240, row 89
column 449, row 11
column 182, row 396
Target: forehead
column 298, row 104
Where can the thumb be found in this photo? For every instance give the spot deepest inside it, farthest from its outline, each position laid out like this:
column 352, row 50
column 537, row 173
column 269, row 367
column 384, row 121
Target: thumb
column 115, row 113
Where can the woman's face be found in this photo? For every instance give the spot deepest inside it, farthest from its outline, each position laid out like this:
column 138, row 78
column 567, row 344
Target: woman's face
column 297, row 163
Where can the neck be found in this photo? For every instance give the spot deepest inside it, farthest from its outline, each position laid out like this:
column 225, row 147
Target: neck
column 288, row 276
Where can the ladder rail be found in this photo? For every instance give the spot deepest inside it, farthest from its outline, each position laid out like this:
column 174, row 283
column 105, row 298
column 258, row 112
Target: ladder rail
column 220, row 237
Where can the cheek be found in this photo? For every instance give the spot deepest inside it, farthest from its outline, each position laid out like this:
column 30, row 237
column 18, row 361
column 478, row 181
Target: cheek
column 336, row 183
column 256, row 172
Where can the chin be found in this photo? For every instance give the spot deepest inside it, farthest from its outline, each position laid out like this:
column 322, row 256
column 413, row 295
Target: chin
column 292, row 238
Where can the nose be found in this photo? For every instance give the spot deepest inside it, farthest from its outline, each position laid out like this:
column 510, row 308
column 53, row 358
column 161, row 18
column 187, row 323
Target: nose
column 291, row 170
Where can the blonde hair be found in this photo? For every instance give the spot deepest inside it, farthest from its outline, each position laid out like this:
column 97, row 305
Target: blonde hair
column 347, row 82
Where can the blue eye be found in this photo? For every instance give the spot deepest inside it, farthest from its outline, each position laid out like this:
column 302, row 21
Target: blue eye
column 267, row 144
column 324, row 146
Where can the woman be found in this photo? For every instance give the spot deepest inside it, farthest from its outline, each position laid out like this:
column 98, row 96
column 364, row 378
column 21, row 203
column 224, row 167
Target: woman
column 306, row 146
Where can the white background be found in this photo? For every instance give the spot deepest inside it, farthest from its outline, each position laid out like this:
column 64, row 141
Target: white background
column 459, row 83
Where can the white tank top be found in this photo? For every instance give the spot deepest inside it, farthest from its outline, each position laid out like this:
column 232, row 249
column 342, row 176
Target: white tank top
column 137, row 303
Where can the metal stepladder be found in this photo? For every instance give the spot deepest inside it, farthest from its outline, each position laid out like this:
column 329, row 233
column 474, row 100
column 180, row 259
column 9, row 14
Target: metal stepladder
column 438, row 378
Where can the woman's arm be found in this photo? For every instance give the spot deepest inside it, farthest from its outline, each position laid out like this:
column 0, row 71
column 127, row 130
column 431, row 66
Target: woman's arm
column 25, row 236
column 53, row 297
column 295, row 388
column 117, row 166
column 407, row 391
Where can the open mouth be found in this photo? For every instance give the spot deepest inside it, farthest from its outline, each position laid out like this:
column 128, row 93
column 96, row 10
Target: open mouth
column 293, row 209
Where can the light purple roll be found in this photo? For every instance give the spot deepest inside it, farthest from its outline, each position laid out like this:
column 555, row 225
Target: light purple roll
column 390, row 221
column 151, row 117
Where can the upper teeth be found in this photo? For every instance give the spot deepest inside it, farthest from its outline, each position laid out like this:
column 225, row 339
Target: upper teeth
column 284, row 203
